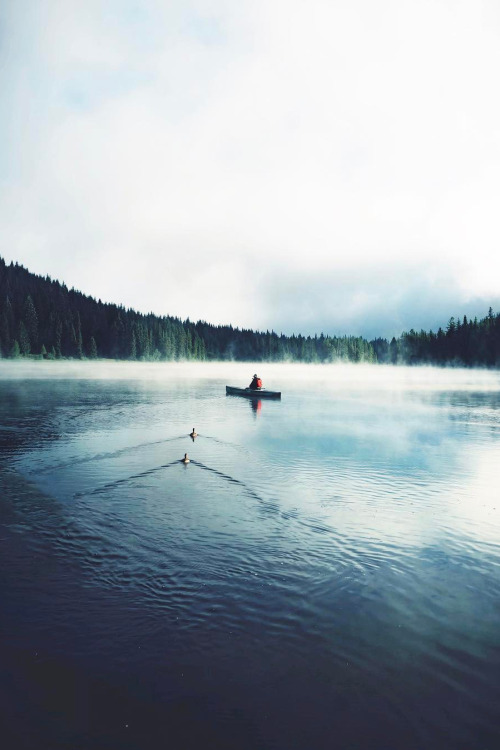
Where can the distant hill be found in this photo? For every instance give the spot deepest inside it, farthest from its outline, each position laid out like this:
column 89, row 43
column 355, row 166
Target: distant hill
column 42, row 318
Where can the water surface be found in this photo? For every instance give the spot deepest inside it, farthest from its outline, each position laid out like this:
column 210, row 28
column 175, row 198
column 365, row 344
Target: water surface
column 324, row 573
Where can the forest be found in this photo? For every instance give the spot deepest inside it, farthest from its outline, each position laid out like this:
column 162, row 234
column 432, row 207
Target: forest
column 42, row 319
column 469, row 343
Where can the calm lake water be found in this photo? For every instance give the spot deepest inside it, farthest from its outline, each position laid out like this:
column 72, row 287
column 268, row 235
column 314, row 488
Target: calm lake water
column 323, row 574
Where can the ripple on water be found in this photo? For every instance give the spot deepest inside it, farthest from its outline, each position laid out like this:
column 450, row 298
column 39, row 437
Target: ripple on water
column 345, row 580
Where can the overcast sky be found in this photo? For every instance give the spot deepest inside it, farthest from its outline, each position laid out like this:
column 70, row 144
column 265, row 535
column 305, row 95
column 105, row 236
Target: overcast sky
column 297, row 165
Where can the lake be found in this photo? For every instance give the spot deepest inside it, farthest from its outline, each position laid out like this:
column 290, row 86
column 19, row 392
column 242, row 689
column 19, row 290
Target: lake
column 323, row 573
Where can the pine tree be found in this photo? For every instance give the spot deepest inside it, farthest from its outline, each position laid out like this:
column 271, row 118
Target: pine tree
column 15, row 351
column 9, row 316
column 93, row 348
column 58, row 339
column 24, row 339
column 4, row 333
column 79, row 338
column 393, row 351
column 132, row 353
column 30, row 320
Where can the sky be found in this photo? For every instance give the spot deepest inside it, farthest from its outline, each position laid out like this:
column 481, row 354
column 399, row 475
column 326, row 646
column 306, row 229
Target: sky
column 295, row 165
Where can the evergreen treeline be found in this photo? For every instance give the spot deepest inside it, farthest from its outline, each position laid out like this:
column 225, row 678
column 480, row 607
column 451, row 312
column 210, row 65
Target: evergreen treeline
column 464, row 342
column 44, row 319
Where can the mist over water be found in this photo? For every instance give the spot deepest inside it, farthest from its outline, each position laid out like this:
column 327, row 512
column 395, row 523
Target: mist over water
column 324, row 572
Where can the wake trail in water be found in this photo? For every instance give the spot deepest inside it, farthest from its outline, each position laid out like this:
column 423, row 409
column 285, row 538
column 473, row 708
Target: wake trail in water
column 126, row 480
column 123, row 451
column 236, row 446
column 154, row 470
column 311, row 524
column 103, row 456
column 233, row 480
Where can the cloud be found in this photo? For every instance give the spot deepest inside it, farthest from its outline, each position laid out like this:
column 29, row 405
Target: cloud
column 225, row 160
column 375, row 301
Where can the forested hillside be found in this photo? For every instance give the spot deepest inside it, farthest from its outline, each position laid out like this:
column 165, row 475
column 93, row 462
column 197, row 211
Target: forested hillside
column 42, row 318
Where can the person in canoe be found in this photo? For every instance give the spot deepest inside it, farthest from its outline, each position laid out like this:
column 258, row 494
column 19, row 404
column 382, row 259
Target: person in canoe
column 256, row 383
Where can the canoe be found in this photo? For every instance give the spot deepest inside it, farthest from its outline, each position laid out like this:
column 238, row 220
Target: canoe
column 251, row 392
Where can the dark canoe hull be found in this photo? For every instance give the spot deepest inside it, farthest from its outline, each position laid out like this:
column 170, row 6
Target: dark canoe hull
column 251, row 393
